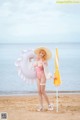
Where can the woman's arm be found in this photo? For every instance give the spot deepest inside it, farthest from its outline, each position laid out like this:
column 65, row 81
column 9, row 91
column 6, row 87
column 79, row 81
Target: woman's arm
column 45, row 63
column 35, row 64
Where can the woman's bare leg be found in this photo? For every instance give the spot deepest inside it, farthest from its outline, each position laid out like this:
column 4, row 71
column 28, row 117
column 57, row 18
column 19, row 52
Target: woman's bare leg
column 40, row 93
column 44, row 94
column 43, row 84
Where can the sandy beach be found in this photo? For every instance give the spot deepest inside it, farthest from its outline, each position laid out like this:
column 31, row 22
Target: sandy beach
column 24, row 107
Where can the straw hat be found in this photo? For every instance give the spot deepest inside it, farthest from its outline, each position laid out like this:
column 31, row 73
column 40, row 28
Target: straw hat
column 48, row 52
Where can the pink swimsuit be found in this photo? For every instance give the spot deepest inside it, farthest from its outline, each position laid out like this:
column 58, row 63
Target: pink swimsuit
column 40, row 72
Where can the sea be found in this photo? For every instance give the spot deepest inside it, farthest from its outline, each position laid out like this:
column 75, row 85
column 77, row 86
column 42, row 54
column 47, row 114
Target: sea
column 69, row 67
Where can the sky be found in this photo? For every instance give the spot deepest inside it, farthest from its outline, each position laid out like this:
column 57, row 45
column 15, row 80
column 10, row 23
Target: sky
column 23, row 21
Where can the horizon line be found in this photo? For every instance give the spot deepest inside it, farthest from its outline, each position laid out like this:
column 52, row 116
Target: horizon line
column 42, row 43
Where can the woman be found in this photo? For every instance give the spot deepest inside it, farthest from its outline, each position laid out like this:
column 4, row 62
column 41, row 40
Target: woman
column 43, row 55
column 25, row 67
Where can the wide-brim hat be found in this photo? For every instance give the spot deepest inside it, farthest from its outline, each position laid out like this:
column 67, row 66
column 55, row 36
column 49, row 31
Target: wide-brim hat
column 48, row 52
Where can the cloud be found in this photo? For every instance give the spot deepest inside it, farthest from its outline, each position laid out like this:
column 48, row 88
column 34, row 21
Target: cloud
column 24, row 18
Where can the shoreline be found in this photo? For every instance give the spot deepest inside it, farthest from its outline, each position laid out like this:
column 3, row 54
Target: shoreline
column 31, row 93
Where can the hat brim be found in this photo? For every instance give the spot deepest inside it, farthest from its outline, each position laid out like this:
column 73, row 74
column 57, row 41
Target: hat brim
column 48, row 52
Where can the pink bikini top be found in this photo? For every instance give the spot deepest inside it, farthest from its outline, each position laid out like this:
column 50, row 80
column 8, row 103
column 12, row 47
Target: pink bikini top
column 39, row 65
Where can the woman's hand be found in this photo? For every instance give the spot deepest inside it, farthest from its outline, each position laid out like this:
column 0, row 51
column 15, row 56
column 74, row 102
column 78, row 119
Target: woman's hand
column 53, row 78
column 35, row 64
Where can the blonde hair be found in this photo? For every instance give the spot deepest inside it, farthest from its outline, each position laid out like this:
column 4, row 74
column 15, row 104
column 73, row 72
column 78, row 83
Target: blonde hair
column 45, row 54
